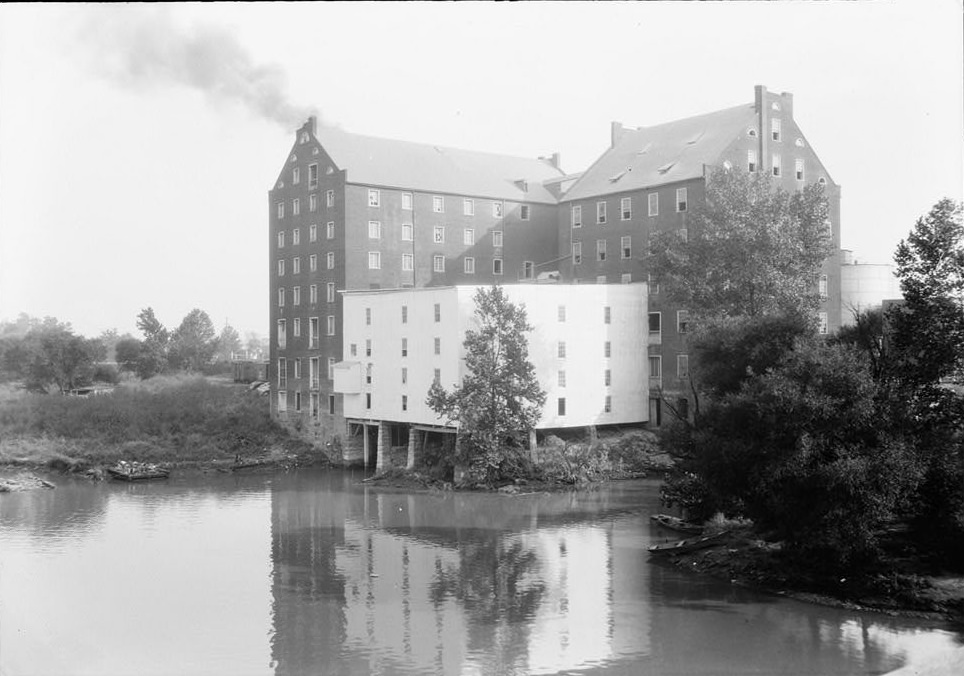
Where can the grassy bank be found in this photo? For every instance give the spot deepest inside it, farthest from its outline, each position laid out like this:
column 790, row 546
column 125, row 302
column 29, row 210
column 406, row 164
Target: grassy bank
column 174, row 420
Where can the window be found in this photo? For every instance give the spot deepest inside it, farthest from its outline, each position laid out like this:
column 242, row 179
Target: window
column 368, row 316
column 295, row 176
column 404, row 347
column 312, row 176
column 577, row 217
column 331, row 404
column 438, row 234
column 608, row 404
column 561, row 379
column 330, row 292
column 561, row 406
column 313, row 332
column 313, row 262
column 681, row 199
column 281, row 209
column 282, row 372
column 684, row 234
column 626, row 208
column 438, row 345
column 798, row 169
column 330, row 230
column 528, row 270
column 296, row 206
column 438, row 263
column 330, row 198
column 282, row 333
column 438, row 312
column 608, row 377
column 374, row 197
column 524, row 212
column 296, row 265
column 497, row 209
column 438, row 204
column 281, row 268
column 368, row 347
column 407, row 232
column 353, row 350
column 626, row 246
column 281, row 239
column 313, row 373
column 296, row 296
column 469, row 266
column 331, row 325
column 313, row 403
column 655, row 323
column 313, row 294
column 626, row 278
column 600, row 249
column 368, row 400
column 468, row 237
column 655, row 367
column 330, row 260
column 653, row 286
column 653, row 204
column 823, row 286
column 601, row 279
column 751, row 161
column 281, row 297
column 561, row 349
column 282, row 402
column 404, row 375
column 404, row 402
column 374, row 260
column 374, row 229
column 497, row 238
column 562, row 313
column 776, row 165
column 468, row 207
column 823, row 325
column 682, row 366
column 404, row 314
column 822, row 180
column 682, row 321
column 407, row 262
column 607, row 315
column 600, row 212
column 576, row 253
column 775, row 128
column 296, row 236
column 407, row 201
column 331, row 368
column 437, row 376
column 496, row 266
column 607, row 349
column 313, row 232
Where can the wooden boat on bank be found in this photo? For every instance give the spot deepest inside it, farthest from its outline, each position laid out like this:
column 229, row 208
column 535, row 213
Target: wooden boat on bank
column 689, row 544
column 676, row 523
column 137, row 472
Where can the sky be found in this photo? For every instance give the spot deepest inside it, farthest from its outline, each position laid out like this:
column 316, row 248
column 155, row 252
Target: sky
column 138, row 142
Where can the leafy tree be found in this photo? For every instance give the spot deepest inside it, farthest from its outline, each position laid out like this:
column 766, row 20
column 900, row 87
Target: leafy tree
column 229, row 342
column 51, row 354
column 500, row 400
column 128, row 351
column 194, row 342
column 151, row 327
column 867, row 335
column 749, row 249
column 155, row 348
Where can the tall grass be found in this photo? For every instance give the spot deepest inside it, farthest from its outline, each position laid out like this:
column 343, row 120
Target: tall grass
column 168, row 418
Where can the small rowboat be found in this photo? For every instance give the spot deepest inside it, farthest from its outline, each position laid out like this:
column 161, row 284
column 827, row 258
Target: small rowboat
column 676, row 523
column 131, row 474
column 688, row 545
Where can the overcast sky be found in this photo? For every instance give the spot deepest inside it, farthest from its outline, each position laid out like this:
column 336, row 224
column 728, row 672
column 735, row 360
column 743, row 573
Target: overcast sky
column 138, row 143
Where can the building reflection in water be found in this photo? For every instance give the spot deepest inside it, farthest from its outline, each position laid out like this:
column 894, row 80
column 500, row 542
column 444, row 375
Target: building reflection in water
column 381, row 582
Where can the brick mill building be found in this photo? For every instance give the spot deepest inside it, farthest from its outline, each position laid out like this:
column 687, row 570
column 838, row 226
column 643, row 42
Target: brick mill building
column 351, row 213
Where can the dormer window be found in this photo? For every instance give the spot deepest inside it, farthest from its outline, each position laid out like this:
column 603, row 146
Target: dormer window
column 751, row 132
column 822, row 181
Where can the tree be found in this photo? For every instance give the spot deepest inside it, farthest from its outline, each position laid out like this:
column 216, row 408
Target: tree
column 155, row 348
column 500, row 400
column 128, row 352
column 749, row 249
column 151, row 327
column 194, row 342
column 49, row 353
column 229, row 342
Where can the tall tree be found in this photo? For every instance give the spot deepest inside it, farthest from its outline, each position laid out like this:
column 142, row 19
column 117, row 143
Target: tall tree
column 154, row 350
column 749, row 249
column 500, row 399
column 151, row 327
column 194, row 342
column 229, row 342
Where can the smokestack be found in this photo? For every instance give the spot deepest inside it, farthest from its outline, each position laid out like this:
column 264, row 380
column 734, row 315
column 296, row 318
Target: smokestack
column 615, row 133
column 312, row 125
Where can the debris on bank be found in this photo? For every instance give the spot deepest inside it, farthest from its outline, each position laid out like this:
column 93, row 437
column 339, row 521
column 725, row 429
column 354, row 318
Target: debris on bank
column 23, row 481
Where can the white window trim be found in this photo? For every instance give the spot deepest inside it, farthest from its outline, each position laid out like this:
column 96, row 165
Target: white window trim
column 624, row 213
column 652, row 204
column 374, row 197
column 376, row 258
column 682, row 204
column 576, row 216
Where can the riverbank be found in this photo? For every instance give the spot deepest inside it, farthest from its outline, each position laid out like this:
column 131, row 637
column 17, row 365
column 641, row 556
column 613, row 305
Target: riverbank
column 904, row 587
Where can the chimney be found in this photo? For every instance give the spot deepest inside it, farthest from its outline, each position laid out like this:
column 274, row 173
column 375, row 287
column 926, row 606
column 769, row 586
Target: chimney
column 615, row 133
column 786, row 102
column 312, row 124
column 760, row 97
column 556, row 161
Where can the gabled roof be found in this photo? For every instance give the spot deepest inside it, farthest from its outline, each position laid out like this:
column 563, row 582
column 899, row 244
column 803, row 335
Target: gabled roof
column 665, row 153
column 417, row 166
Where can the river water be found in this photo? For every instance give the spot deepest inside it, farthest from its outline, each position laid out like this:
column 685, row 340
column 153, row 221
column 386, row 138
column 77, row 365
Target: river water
column 312, row 572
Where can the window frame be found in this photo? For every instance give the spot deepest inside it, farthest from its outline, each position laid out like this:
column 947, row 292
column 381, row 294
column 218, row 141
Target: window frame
column 438, row 263
column 626, row 208
column 468, row 206
column 374, row 260
column 438, row 204
column 576, row 216
column 601, row 214
column 374, row 197
column 681, row 204
column 626, row 247
column 652, row 204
